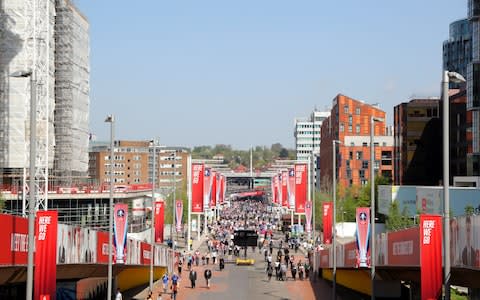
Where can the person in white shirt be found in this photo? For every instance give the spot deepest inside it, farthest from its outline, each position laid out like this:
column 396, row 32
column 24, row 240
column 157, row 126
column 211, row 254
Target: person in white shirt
column 118, row 296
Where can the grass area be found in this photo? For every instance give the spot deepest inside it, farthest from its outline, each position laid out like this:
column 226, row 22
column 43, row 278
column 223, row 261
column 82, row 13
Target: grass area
column 457, row 296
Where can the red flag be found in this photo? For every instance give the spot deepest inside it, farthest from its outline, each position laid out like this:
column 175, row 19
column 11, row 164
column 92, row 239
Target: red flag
column 179, row 214
column 327, row 222
column 120, row 225
column 284, row 189
column 45, row 274
column 363, row 235
column 159, row 221
column 431, row 256
column 197, row 188
column 300, row 187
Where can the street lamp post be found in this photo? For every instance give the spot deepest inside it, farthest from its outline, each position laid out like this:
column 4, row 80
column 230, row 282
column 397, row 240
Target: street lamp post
column 110, row 119
column 152, row 237
column 32, row 201
column 174, row 196
column 372, row 201
column 334, row 233
column 456, row 78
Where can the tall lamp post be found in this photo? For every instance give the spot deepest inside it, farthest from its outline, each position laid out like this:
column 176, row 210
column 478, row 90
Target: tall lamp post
column 32, row 201
column 456, row 78
column 152, row 237
column 372, row 200
column 334, row 233
column 174, row 165
column 110, row 119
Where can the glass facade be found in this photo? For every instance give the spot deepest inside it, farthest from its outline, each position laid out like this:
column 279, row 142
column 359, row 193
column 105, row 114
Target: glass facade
column 457, row 50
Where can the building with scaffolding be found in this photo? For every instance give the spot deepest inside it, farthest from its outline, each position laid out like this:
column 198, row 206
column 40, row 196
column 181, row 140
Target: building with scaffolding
column 50, row 40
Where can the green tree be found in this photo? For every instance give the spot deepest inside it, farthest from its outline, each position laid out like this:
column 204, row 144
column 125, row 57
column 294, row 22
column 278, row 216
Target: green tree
column 469, row 210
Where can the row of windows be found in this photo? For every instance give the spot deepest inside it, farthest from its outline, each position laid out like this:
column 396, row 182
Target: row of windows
column 350, row 128
column 346, row 109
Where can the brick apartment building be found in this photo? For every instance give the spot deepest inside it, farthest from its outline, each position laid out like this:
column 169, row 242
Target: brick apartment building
column 349, row 123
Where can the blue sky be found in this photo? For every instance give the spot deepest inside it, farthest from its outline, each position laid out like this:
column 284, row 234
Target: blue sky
column 239, row 72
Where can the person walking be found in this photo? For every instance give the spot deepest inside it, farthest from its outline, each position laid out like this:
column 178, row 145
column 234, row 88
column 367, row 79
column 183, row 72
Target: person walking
column 270, row 272
column 293, row 270
column 208, row 275
column 179, row 266
column 174, row 286
column 193, row 277
column 165, row 282
column 118, row 296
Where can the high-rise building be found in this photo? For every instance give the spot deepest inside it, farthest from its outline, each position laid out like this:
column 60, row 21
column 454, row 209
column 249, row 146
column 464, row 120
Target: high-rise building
column 59, row 57
column 457, row 50
column 349, row 123
column 307, row 134
column 72, row 73
column 473, row 89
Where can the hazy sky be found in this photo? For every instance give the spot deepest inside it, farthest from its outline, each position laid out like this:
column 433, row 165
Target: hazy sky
column 239, row 72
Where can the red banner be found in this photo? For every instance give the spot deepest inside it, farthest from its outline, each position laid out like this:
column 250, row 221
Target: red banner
column 284, row 189
column 219, row 189
column 213, row 193
column 207, row 186
column 159, row 220
column 145, row 253
column 102, row 247
column 291, row 188
column 178, row 214
column 197, row 188
column 15, row 230
column 300, row 187
column 45, row 274
column 308, row 216
column 363, row 235
column 327, row 222
column 403, row 247
column 120, row 226
column 224, row 189
column 431, row 256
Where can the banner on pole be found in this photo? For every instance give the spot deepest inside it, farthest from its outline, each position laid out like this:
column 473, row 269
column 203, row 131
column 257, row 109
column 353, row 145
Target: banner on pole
column 291, row 188
column 300, row 187
column 327, row 222
column 120, row 226
column 363, row 235
column 284, row 189
column 179, row 214
column 207, row 187
column 159, row 221
column 197, row 188
column 213, row 193
column 308, row 216
column 431, row 256
column 45, row 274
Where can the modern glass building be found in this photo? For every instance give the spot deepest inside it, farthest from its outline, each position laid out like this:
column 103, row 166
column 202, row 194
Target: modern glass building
column 457, row 50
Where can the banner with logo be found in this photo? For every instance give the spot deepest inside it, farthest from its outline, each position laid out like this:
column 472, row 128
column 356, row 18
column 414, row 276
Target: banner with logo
column 291, row 188
column 363, row 235
column 197, row 188
column 284, row 189
column 300, row 187
column 327, row 222
column 272, row 186
column 159, row 221
column 102, row 247
column 14, row 233
column 45, row 273
column 308, row 216
column 179, row 214
column 207, row 187
column 431, row 256
column 219, row 189
column 120, row 226
column 224, row 187
column 278, row 186
column 213, row 193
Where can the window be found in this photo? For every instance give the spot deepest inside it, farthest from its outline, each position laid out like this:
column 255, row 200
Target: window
column 348, row 163
column 365, row 164
column 342, row 127
column 350, row 120
column 345, row 108
column 364, row 144
column 349, row 173
column 361, row 173
column 357, row 110
column 359, row 155
column 357, row 128
column 350, row 155
column 349, row 128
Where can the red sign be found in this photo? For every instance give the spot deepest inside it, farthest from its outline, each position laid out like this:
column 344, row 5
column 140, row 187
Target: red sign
column 327, row 222
column 178, row 214
column 350, row 252
column 145, row 253
column 403, row 247
column 120, row 225
column 102, row 247
column 15, row 230
column 363, row 235
column 197, row 188
column 207, row 186
column 300, row 187
column 45, row 274
column 159, row 220
column 284, row 189
column 223, row 189
column 431, row 256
